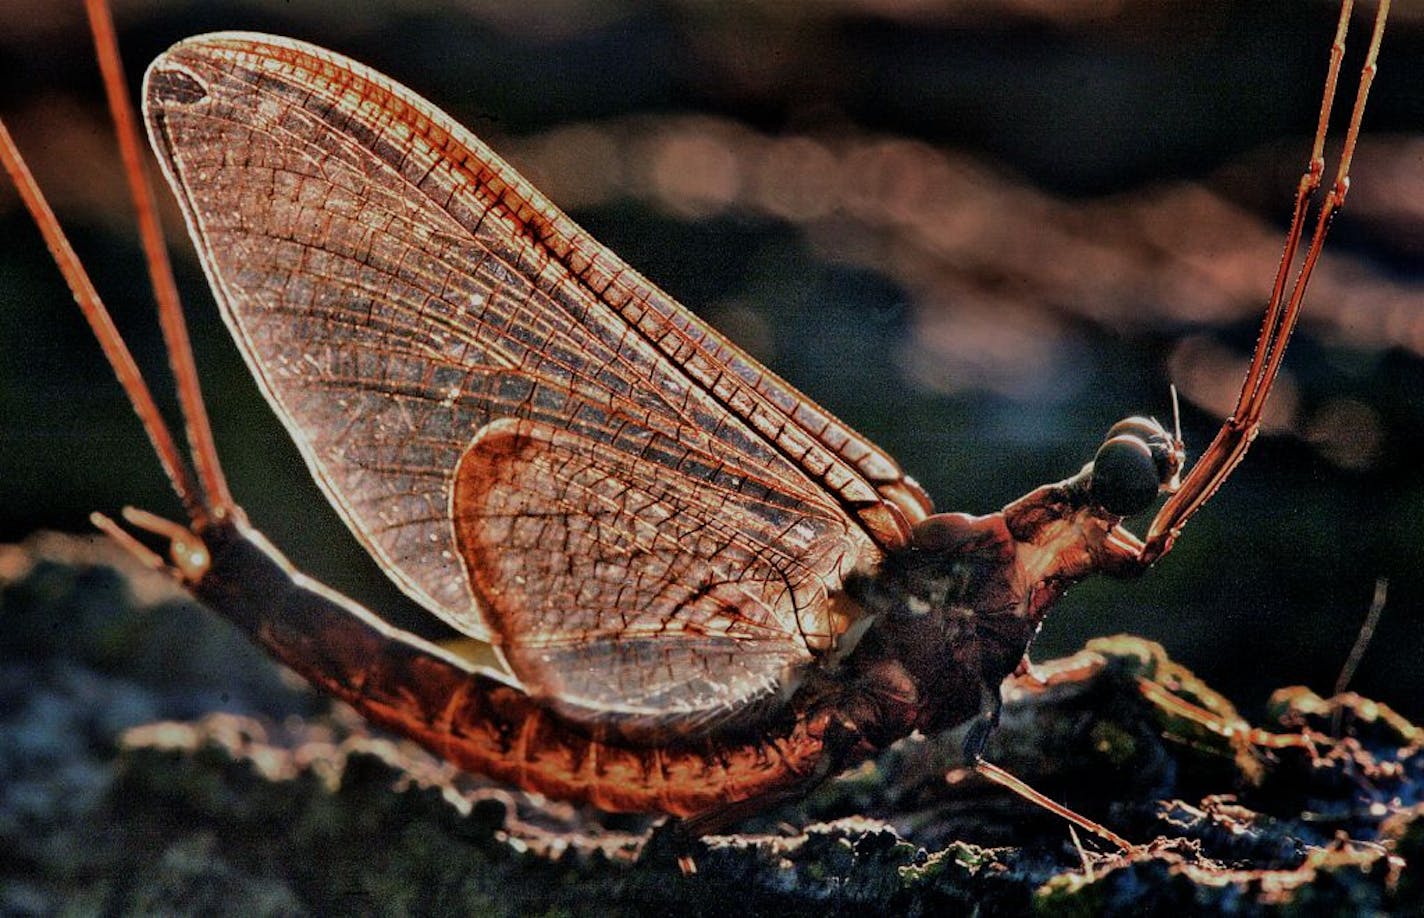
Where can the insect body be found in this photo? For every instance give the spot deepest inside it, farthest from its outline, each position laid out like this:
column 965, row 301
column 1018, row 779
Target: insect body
column 710, row 593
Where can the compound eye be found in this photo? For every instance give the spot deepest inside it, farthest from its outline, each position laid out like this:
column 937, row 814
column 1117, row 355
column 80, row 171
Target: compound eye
column 1125, row 478
column 1162, row 445
column 1144, row 429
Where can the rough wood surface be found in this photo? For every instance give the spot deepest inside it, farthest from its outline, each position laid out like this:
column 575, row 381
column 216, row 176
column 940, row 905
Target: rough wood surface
column 153, row 762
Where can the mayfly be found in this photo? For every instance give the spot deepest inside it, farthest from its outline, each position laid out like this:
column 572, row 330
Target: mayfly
column 709, row 593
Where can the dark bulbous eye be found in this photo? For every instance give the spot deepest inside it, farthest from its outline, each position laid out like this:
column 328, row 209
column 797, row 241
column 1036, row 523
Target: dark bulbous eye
column 1125, row 477
column 1160, row 443
column 1144, row 429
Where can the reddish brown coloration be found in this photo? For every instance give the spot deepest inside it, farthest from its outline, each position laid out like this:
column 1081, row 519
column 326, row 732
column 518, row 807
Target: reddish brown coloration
column 710, row 591
column 1229, row 446
column 470, row 715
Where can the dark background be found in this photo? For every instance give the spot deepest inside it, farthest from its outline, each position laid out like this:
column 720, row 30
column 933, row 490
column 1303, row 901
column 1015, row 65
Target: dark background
column 979, row 233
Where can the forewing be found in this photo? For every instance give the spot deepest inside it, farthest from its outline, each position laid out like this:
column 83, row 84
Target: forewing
column 395, row 288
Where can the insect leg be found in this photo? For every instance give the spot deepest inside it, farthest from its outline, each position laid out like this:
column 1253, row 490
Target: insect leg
column 978, row 738
column 1283, row 309
column 1005, row 779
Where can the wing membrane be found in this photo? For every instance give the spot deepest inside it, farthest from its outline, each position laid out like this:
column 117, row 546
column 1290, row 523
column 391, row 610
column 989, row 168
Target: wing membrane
column 396, row 289
column 630, row 595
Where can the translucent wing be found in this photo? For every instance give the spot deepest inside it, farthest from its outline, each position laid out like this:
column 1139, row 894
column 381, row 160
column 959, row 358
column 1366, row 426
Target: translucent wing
column 628, row 594
column 399, row 293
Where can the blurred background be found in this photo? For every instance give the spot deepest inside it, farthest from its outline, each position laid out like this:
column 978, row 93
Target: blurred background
column 978, row 232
